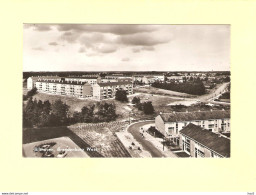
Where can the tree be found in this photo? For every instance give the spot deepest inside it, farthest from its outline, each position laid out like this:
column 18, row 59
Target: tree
column 136, row 100
column 106, row 112
column 87, row 114
column 32, row 92
column 121, row 95
column 59, row 112
column 148, row 108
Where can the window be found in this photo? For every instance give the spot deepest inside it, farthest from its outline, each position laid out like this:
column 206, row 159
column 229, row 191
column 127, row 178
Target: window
column 211, row 126
column 199, row 153
column 171, row 130
column 187, row 145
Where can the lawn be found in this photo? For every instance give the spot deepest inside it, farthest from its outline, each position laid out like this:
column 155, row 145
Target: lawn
column 153, row 90
column 122, row 109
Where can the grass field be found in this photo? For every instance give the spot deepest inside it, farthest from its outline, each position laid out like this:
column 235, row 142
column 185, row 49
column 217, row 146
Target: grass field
column 157, row 91
column 122, row 109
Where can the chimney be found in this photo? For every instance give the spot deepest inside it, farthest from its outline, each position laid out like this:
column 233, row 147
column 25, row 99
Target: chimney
column 186, row 111
column 211, row 110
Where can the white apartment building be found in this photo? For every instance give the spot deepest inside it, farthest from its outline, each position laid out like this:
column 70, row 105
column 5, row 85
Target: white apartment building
column 108, row 90
column 169, row 124
column 91, row 80
column 70, row 88
column 31, row 81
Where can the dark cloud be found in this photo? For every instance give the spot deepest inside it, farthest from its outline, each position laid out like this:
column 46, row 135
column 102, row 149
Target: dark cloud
column 143, row 39
column 105, row 48
column 70, row 37
column 114, row 29
column 53, row 43
column 148, row 48
column 38, row 48
column 126, row 59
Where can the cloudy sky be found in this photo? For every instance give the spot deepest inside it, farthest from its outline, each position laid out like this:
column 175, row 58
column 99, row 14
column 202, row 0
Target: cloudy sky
column 79, row 47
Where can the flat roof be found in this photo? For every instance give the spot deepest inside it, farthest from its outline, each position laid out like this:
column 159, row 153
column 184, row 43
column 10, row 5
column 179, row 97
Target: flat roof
column 65, row 82
column 114, row 83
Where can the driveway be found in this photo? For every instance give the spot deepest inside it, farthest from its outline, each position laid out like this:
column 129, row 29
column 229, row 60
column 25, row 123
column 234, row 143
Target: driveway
column 134, row 130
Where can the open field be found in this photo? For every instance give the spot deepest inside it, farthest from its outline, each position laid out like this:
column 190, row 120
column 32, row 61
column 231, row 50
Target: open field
column 122, row 109
column 61, row 143
column 157, row 91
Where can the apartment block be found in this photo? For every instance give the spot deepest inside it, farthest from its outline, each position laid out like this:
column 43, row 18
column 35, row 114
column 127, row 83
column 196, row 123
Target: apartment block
column 31, row 81
column 108, row 90
column 91, row 80
column 62, row 87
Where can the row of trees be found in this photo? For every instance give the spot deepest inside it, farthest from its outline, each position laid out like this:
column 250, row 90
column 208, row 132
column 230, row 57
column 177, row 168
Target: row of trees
column 146, row 107
column 38, row 113
column 41, row 114
column 100, row 112
column 194, row 88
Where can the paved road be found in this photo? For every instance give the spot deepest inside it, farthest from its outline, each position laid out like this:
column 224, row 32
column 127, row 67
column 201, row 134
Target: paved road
column 214, row 93
column 134, row 130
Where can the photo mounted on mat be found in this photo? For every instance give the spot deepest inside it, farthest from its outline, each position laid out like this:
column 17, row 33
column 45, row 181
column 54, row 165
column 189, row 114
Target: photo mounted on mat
column 126, row 91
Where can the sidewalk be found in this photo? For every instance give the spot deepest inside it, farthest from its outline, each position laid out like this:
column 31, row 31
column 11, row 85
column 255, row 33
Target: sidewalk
column 157, row 143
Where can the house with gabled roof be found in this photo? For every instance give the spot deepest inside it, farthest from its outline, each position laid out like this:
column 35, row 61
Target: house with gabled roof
column 169, row 124
column 199, row 142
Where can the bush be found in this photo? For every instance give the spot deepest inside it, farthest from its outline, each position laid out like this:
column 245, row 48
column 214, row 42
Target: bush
column 136, row 100
column 121, row 95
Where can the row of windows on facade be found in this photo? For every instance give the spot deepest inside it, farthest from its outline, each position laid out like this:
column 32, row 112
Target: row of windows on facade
column 198, row 151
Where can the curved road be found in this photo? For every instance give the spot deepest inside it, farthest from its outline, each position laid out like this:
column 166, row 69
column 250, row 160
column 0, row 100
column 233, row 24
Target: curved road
column 134, row 130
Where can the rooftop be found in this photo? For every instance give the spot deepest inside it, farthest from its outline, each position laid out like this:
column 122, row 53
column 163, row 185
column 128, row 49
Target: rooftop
column 114, row 83
column 63, row 82
column 211, row 140
column 34, row 78
column 192, row 116
column 88, row 77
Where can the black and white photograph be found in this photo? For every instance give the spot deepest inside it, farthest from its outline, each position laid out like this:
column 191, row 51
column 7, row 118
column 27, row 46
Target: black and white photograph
column 126, row 91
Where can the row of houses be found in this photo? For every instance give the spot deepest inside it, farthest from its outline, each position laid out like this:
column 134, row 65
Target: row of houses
column 197, row 133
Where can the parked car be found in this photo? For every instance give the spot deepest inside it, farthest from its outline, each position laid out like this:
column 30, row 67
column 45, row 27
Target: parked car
column 62, row 154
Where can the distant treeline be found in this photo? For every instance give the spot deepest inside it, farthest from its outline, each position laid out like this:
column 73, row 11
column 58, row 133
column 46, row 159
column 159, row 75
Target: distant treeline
column 43, row 114
column 195, row 88
column 124, row 73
